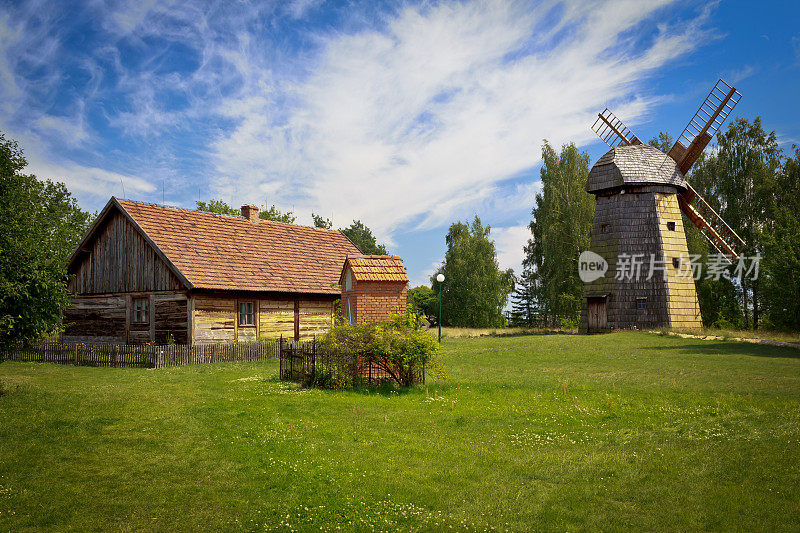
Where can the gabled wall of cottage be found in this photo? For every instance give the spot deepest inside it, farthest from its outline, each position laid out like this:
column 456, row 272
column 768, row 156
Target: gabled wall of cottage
column 114, row 272
column 119, row 259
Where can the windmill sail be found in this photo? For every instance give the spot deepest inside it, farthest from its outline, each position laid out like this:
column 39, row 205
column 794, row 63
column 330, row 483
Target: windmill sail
column 710, row 224
column 704, row 124
column 612, row 130
column 690, row 144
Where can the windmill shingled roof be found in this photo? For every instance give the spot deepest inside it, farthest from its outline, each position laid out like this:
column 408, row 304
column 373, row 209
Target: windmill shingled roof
column 634, row 164
column 377, row 268
column 231, row 253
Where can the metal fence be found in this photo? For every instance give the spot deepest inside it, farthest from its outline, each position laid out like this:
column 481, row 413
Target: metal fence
column 306, row 363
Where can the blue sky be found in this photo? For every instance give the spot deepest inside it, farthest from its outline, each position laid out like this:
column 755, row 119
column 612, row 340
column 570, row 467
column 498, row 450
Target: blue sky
column 405, row 115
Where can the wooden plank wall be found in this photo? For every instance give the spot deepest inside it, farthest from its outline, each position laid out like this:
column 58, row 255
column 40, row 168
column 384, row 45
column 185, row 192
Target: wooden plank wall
column 316, row 317
column 95, row 319
column 215, row 318
column 107, row 319
column 120, row 260
column 276, row 319
column 171, row 318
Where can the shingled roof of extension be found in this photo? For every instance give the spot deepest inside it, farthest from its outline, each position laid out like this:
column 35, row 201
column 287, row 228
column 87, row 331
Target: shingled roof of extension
column 376, row 268
column 639, row 164
column 212, row 251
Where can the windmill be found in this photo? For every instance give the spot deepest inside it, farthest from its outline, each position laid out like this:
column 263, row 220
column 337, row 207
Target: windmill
column 638, row 229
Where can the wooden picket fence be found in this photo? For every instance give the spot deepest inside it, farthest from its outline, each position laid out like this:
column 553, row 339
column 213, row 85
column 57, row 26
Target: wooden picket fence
column 141, row 356
column 299, row 360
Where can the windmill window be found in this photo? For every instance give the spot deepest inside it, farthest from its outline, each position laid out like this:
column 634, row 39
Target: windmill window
column 676, row 262
column 141, row 308
column 641, row 303
column 605, row 228
column 246, row 315
column 671, row 226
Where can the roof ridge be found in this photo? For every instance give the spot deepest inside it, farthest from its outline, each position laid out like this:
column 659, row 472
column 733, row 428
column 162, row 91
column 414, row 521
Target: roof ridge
column 234, row 217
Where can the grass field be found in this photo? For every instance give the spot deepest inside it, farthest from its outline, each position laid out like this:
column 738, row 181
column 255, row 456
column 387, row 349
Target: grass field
column 553, row 432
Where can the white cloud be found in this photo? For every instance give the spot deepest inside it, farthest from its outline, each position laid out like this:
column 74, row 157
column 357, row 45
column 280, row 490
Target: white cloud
column 69, row 130
column 424, row 277
column 509, row 242
column 299, row 8
column 87, row 179
column 411, row 123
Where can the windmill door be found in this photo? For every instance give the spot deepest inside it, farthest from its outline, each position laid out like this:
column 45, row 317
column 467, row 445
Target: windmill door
column 597, row 313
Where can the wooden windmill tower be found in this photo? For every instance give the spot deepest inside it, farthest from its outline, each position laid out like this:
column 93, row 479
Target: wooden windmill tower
column 641, row 193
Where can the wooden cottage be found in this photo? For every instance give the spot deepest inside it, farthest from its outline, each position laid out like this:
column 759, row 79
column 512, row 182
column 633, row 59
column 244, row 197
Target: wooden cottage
column 150, row 273
column 373, row 288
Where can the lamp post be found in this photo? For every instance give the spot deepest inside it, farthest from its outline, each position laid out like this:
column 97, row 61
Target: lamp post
column 440, row 279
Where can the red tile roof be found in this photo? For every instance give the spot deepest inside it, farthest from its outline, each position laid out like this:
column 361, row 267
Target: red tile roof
column 377, row 268
column 232, row 253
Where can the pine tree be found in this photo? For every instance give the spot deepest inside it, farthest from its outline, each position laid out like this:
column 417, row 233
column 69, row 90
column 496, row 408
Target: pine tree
column 524, row 309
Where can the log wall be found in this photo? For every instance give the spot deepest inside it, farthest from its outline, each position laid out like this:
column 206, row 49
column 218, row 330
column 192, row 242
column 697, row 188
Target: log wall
column 215, row 318
column 108, row 319
column 98, row 319
column 171, row 318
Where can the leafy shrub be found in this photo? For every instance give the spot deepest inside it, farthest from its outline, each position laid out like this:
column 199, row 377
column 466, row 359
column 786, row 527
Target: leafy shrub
column 569, row 323
column 336, row 378
column 399, row 347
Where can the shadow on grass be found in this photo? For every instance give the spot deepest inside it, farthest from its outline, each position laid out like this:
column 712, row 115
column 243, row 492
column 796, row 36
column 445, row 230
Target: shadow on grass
column 525, row 333
column 731, row 348
column 386, row 389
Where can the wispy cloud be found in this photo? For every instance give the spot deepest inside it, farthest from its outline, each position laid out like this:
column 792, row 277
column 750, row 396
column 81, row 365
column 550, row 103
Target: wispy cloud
column 410, row 122
column 405, row 117
column 508, row 242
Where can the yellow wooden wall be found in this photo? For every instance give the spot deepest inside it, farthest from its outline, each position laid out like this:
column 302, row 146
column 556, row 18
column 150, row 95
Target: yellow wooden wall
column 684, row 308
column 316, row 317
column 275, row 319
column 215, row 319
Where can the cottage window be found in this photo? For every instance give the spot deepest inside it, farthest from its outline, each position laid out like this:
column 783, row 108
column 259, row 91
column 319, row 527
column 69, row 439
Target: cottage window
column 348, row 281
column 140, row 310
column 641, row 303
column 349, row 313
column 605, row 228
column 246, row 317
column 671, row 226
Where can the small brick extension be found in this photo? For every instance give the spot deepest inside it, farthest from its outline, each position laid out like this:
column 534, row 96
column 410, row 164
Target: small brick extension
column 373, row 287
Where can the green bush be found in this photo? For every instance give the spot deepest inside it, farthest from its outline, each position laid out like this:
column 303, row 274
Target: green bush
column 399, row 347
column 332, row 378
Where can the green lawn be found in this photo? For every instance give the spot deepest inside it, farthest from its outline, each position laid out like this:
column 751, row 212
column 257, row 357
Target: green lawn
column 554, row 432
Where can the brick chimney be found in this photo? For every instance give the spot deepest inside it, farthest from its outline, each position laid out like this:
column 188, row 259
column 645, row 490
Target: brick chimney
column 250, row 212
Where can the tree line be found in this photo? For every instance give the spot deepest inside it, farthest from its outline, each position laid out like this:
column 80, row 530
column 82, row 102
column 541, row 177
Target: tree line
column 358, row 233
